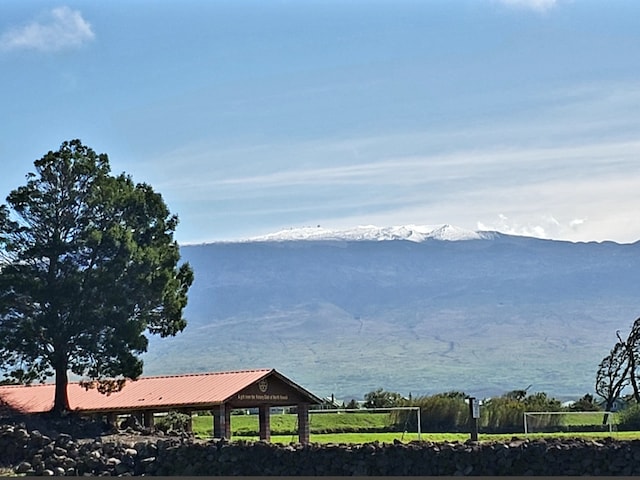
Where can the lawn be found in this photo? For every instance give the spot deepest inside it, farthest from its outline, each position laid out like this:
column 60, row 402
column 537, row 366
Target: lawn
column 286, row 424
column 370, row 427
column 591, row 418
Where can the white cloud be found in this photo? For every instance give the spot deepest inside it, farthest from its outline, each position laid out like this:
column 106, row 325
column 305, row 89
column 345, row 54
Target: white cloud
column 543, row 226
column 536, row 5
column 60, row 29
column 494, row 166
column 568, row 171
column 576, row 208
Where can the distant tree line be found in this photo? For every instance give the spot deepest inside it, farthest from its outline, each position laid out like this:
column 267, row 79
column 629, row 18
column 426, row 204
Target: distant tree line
column 449, row 411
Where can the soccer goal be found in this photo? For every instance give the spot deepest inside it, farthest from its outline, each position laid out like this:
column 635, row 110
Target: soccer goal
column 547, row 422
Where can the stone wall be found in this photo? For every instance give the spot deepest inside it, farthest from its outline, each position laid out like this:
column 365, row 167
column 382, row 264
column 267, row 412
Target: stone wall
column 32, row 453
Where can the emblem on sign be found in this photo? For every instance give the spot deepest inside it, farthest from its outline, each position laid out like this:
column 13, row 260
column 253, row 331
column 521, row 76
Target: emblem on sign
column 263, row 385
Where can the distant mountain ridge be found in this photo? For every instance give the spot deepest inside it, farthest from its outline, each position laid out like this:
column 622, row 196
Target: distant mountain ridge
column 410, row 309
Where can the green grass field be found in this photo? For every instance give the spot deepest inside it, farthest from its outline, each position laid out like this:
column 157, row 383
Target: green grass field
column 285, row 424
column 357, row 428
column 585, row 418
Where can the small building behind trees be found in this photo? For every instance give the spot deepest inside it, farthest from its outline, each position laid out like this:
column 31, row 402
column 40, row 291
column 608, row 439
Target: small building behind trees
column 219, row 392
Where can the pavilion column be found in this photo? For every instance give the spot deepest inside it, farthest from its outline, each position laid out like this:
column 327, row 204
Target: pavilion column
column 227, row 423
column 112, row 420
column 139, row 417
column 264, row 415
column 221, row 421
column 303, row 423
column 148, row 419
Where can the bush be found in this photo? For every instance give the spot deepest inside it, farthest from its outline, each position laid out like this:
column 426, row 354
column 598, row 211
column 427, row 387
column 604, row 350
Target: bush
column 440, row 413
column 173, row 421
column 502, row 415
column 629, row 418
column 585, row 404
column 505, row 414
column 353, row 404
column 382, row 399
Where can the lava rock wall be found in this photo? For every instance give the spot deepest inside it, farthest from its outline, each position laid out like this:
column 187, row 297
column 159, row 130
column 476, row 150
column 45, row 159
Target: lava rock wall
column 32, row 453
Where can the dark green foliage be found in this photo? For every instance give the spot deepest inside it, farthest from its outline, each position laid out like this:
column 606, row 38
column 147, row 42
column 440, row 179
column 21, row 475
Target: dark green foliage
column 541, row 402
column 89, row 265
column 443, row 412
column 502, row 414
column 505, row 413
column 449, row 412
column 173, row 421
column 585, row 404
column 629, row 418
column 353, row 404
column 382, row 399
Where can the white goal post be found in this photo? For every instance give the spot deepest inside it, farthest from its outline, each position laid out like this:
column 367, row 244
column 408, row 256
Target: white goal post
column 532, row 419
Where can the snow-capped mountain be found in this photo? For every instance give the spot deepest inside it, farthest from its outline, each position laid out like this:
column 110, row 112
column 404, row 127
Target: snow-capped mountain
column 348, row 312
column 413, row 233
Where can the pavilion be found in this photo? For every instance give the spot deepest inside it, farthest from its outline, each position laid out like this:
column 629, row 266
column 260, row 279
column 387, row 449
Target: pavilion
column 219, row 392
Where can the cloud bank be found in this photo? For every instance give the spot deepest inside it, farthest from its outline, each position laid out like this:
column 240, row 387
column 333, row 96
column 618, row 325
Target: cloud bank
column 61, row 29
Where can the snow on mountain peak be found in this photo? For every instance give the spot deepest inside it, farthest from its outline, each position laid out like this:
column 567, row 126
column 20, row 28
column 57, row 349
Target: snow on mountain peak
column 413, row 233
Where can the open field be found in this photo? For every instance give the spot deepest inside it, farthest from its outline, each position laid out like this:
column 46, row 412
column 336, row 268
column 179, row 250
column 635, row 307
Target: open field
column 247, row 425
column 370, row 427
column 586, row 418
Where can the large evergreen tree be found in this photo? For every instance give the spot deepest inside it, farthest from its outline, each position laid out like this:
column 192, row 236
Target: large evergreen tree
column 88, row 266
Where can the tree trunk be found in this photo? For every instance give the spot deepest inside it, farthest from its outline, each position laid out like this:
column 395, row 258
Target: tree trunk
column 607, row 408
column 61, row 399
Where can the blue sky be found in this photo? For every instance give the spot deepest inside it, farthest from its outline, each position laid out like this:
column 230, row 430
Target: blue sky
column 250, row 117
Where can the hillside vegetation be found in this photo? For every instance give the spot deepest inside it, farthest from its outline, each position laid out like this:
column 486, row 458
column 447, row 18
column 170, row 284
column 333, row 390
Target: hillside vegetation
column 479, row 316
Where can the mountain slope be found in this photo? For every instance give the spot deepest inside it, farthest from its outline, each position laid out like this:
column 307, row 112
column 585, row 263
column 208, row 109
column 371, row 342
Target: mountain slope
column 485, row 315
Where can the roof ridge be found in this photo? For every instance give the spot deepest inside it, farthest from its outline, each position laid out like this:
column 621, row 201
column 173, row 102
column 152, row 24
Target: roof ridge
column 180, row 375
column 22, row 385
column 203, row 374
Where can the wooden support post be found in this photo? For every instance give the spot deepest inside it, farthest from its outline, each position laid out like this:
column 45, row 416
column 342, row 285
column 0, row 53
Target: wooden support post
column 264, row 415
column 112, row 420
column 148, row 419
column 221, row 422
column 303, row 423
column 139, row 418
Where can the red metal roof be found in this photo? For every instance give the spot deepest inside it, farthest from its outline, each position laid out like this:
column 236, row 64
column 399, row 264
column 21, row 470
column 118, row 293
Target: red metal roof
column 145, row 393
